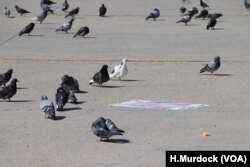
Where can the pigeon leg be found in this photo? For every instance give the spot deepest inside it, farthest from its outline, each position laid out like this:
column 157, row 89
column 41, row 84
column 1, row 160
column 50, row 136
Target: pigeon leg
column 9, row 100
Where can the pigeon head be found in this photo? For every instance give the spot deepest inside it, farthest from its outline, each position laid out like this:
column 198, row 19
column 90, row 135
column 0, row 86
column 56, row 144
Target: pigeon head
column 105, row 66
column 124, row 61
column 16, row 7
column 155, row 9
column 32, row 24
column 217, row 59
column 44, row 97
column 10, row 71
column 5, row 7
column 65, row 77
column 103, row 5
column 14, row 80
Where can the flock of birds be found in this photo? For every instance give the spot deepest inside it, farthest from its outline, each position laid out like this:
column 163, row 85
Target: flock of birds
column 103, row 128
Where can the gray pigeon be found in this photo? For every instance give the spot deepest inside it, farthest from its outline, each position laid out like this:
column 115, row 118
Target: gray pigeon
column 5, row 77
column 70, row 84
column 155, row 14
column 6, row 11
column 27, row 29
column 66, row 26
column 105, row 128
column 21, row 11
column 212, row 66
column 215, row 15
column 62, row 97
column 247, row 4
column 185, row 19
column 41, row 17
column 82, row 32
column 73, row 12
column 203, row 14
column 65, row 5
column 102, row 10
column 101, row 76
column 203, row 4
column 9, row 91
column 48, row 108
column 212, row 22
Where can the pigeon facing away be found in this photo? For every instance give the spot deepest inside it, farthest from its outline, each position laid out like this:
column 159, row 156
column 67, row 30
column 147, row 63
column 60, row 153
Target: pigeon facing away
column 212, row 66
column 203, row 14
column 203, row 4
column 6, row 11
column 9, row 91
column 120, row 70
column 66, row 26
column 212, row 22
column 215, row 15
column 41, row 17
column 46, row 4
column 82, row 32
column 101, row 76
column 105, row 128
column 20, row 10
column 182, row 10
column 5, row 77
column 65, row 5
column 62, row 97
column 70, row 84
column 27, row 29
column 73, row 12
column 155, row 14
column 102, row 10
column 48, row 108
column 247, row 4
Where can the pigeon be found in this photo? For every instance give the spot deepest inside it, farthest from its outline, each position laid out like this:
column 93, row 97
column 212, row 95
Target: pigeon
column 214, row 15
column 120, row 70
column 48, row 108
column 212, row 66
column 27, row 29
column 185, row 19
column 70, row 84
column 101, row 76
column 247, row 4
column 105, row 128
column 182, row 10
column 191, row 12
column 5, row 77
column 20, row 10
column 41, row 17
column 6, row 12
column 66, row 26
column 47, row 2
column 203, row 4
column 212, row 22
column 102, row 10
column 62, row 97
column 203, row 14
column 155, row 14
column 82, row 32
column 9, row 91
column 65, row 5
column 73, row 12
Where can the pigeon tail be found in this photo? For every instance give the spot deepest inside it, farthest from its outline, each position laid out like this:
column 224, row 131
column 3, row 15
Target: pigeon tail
column 204, row 69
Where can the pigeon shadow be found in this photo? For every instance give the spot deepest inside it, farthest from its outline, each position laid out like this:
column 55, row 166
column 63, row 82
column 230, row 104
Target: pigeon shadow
column 79, row 102
column 80, row 91
column 116, row 141
column 107, row 16
column 90, row 37
column 192, row 25
column 157, row 20
column 129, row 80
column 49, row 23
column 107, row 86
column 20, row 101
column 22, row 88
column 59, row 118
column 72, row 109
column 223, row 75
column 218, row 29
column 11, row 17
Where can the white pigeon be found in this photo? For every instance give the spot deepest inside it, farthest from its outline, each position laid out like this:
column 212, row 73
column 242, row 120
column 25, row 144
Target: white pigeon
column 120, row 70
column 47, row 107
column 6, row 11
